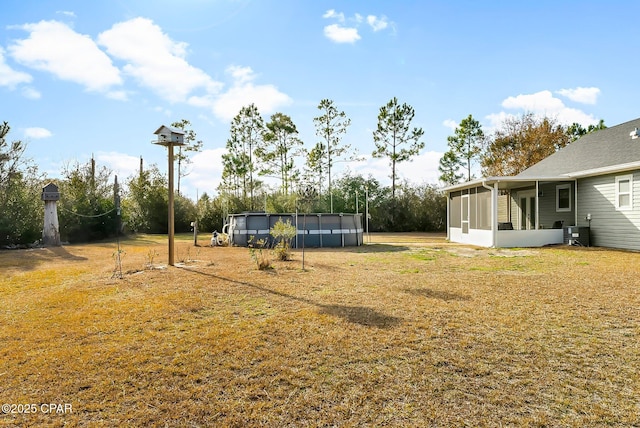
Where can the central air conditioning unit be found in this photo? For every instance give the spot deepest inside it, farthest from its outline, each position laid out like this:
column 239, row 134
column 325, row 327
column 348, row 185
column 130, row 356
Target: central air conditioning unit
column 574, row 235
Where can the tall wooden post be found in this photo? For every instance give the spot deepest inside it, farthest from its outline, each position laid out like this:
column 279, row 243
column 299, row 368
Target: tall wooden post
column 171, row 219
column 195, row 233
column 170, row 137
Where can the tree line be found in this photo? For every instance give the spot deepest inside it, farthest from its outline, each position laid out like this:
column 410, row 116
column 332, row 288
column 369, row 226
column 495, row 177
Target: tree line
column 257, row 150
column 518, row 143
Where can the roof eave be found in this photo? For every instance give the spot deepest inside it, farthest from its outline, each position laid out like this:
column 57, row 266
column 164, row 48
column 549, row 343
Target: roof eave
column 605, row 170
column 174, row 130
column 508, row 179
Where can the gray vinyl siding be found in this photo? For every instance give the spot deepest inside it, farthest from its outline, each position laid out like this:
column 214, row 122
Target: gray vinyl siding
column 513, row 209
column 503, row 208
column 547, row 206
column 547, row 201
column 609, row 227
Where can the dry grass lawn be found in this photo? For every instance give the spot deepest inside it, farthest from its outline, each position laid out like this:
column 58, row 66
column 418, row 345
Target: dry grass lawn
column 407, row 331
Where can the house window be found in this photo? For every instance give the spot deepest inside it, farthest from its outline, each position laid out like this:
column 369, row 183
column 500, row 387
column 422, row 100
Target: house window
column 624, row 192
column 563, row 197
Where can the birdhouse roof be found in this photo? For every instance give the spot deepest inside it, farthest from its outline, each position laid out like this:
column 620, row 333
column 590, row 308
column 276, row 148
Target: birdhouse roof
column 51, row 187
column 165, row 129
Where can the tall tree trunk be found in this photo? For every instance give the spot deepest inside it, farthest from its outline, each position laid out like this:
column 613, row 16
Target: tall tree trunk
column 251, row 176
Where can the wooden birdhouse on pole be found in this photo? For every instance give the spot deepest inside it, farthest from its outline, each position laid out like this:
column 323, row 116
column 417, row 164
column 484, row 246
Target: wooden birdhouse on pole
column 51, row 230
column 169, row 138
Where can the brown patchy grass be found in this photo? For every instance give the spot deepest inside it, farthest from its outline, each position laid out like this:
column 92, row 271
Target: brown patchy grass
column 407, row 331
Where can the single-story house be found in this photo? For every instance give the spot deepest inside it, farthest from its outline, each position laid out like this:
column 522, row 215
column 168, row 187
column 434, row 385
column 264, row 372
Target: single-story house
column 587, row 193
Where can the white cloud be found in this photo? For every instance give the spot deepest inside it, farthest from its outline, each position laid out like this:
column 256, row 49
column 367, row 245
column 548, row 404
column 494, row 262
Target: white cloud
column 543, row 103
column 54, row 47
column 450, row 123
column 67, row 13
column 10, row 77
column 121, row 164
column 567, row 116
column 581, row 95
column 206, row 101
column 37, row 133
column 331, row 13
column 338, row 34
column 31, row 93
column 377, row 23
column 242, row 93
column 155, row 60
column 205, row 173
column 496, row 120
column 540, row 102
column 421, row 169
column 151, row 57
column 376, row 167
column 163, row 110
column 241, row 74
column 118, row 95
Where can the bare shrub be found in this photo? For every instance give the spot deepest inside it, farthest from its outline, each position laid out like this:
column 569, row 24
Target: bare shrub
column 259, row 253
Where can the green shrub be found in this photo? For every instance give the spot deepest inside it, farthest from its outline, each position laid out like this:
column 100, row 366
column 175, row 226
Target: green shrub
column 283, row 233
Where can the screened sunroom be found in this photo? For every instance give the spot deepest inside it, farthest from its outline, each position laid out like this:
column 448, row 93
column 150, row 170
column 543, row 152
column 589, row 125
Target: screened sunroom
column 510, row 211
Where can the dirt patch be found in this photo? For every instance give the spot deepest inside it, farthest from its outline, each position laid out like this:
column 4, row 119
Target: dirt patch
column 465, row 251
column 506, row 252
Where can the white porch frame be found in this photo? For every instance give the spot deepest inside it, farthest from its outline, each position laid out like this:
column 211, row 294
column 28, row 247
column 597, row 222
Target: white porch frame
column 509, row 238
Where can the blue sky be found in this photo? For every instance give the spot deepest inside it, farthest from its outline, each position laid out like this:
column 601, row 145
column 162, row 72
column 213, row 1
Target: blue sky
column 81, row 78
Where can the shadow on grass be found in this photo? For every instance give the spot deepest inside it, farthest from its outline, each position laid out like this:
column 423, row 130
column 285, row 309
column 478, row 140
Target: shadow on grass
column 62, row 253
column 437, row 294
column 360, row 315
column 381, row 248
column 32, row 258
column 353, row 314
column 367, row 248
column 135, row 240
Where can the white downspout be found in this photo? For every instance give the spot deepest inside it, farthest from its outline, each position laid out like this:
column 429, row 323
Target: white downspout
column 448, row 217
column 537, row 225
column 494, row 211
column 575, row 195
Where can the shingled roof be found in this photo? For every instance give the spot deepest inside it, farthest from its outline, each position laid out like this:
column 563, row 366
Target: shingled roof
column 601, row 150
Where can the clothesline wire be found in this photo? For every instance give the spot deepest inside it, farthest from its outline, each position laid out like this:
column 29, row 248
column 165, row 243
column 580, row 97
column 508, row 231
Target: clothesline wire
column 88, row 216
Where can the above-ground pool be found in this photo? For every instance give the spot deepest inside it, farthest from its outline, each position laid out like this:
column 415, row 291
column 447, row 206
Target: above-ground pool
column 317, row 230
